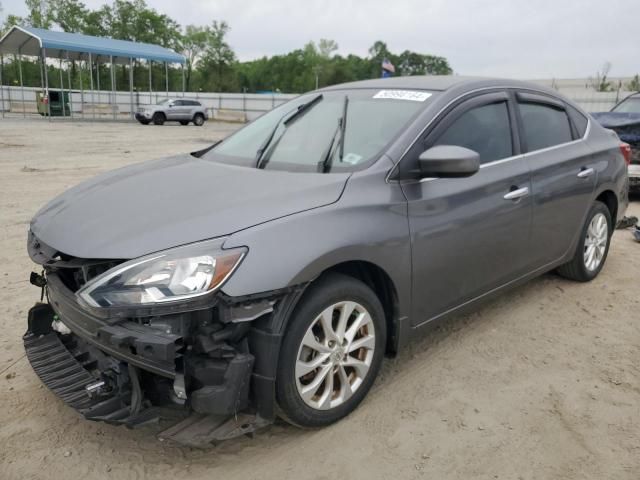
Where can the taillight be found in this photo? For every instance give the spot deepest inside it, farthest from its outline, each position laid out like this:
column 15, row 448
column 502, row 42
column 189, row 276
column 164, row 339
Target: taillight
column 625, row 148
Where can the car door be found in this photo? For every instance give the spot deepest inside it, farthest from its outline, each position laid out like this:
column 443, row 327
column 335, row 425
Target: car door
column 193, row 107
column 469, row 235
column 176, row 110
column 187, row 110
column 563, row 174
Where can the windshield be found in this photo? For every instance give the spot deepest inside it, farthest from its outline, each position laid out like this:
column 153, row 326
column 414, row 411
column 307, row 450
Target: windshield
column 302, row 142
column 164, row 101
column 630, row 105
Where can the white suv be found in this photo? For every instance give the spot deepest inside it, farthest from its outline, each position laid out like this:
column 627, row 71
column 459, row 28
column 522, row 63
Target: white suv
column 179, row 110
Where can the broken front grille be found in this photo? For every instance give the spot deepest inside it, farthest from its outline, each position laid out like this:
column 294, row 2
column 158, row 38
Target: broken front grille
column 73, row 271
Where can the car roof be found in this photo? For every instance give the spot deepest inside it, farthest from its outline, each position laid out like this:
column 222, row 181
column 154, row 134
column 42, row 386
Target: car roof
column 438, row 83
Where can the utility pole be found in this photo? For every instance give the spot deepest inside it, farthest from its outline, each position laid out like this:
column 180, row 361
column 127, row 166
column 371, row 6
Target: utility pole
column 317, row 69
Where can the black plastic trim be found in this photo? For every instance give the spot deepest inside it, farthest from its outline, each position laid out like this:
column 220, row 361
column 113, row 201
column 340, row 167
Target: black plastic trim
column 117, row 338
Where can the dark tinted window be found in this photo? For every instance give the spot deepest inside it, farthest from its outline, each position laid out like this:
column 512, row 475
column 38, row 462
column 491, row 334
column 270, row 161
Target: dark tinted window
column 484, row 129
column 544, row 126
column 178, row 103
column 192, row 103
column 578, row 119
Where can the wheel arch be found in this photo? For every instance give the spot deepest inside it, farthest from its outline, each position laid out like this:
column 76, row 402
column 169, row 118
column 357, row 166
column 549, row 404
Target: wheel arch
column 266, row 335
column 610, row 199
column 376, row 278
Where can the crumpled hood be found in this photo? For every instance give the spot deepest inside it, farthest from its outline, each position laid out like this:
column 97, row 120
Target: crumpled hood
column 155, row 205
column 616, row 119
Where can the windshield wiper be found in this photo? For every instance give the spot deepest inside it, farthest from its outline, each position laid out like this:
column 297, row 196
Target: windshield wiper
column 287, row 119
column 327, row 159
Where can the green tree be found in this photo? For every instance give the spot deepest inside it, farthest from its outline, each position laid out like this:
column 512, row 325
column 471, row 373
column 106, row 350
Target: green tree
column 40, row 13
column 634, row 84
column 194, row 42
column 327, row 47
column 9, row 22
column 216, row 67
column 69, row 15
column 413, row 63
column 600, row 82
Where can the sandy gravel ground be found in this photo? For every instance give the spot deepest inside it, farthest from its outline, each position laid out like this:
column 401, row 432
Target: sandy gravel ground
column 542, row 383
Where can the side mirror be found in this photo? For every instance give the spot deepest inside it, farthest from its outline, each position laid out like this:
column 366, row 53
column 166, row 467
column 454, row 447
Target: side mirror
column 448, row 161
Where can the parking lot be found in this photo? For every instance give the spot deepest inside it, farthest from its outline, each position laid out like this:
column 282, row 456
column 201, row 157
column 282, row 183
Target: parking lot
column 541, row 383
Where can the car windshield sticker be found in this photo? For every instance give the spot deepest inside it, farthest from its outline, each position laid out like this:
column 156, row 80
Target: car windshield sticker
column 352, row 158
column 410, row 95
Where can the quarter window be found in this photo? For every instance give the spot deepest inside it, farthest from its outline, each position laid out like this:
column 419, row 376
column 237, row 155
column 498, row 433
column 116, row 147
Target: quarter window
column 544, row 125
column 485, row 129
column 579, row 120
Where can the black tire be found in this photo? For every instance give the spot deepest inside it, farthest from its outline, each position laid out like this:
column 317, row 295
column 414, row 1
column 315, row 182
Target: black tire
column 144, row 122
column 325, row 292
column 159, row 118
column 184, row 122
column 576, row 269
column 198, row 119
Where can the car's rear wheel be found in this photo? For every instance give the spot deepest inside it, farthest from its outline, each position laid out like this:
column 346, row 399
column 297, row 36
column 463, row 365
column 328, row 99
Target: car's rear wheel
column 593, row 246
column 198, row 119
column 331, row 352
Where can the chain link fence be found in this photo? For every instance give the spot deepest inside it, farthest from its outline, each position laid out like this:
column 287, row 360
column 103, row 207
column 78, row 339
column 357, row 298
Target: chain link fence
column 108, row 105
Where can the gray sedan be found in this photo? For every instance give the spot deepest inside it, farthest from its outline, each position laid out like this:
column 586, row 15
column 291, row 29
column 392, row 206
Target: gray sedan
column 270, row 273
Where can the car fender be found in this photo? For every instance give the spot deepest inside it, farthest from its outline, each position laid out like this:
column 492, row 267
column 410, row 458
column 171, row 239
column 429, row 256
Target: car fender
column 368, row 223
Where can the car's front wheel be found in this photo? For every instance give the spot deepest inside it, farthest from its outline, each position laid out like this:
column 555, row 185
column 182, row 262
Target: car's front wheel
column 159, row 118
column 331, row 352
column 593, row 246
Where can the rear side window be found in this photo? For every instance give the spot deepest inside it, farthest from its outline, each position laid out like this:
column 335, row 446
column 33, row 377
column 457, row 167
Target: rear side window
column 578, row 119
column 485, row 129
column 544, row 125
column 192, row 103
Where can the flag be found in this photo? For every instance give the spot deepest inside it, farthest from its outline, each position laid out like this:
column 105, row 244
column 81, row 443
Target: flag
column 388, row 66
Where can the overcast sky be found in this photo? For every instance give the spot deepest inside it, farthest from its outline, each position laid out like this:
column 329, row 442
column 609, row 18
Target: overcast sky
column 510, row 38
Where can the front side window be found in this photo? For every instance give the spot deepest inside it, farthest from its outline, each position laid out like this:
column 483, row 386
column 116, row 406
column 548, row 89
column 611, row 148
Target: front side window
column 544, row 125
column 485, row 130
column 303, row 144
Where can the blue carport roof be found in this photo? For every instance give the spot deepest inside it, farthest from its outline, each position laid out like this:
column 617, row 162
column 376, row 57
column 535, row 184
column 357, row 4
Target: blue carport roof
column 29, row 40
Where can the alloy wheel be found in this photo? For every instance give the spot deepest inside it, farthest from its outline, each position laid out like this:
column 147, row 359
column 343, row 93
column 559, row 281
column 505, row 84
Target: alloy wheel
column 335, row 355
column 595, row 243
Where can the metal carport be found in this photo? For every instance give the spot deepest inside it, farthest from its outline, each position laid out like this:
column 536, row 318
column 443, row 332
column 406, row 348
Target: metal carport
column 69, row 47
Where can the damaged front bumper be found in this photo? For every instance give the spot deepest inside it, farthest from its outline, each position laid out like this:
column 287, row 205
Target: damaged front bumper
column 198, row 367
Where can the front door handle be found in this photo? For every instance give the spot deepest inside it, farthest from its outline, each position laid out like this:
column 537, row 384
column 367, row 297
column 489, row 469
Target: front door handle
column 585, row 173
column 517, row 193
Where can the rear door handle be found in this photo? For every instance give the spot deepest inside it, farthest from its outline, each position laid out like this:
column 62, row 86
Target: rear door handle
column 585, row 173
column 517, row 193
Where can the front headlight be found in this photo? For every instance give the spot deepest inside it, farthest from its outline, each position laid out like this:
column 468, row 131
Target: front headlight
column 173, row 275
